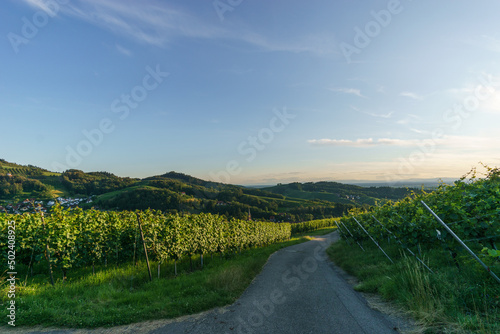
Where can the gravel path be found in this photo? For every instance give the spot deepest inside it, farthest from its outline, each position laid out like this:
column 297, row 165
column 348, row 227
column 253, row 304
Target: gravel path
column 298, row 291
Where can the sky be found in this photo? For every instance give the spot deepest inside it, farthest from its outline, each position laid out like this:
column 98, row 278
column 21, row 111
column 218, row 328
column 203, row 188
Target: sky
column 252, row 92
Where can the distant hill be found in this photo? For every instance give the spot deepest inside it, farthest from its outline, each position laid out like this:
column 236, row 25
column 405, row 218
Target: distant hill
column 176, row 192
column 340, row 193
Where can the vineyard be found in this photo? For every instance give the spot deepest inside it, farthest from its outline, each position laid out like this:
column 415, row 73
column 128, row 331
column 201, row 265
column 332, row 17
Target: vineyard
column 75, row 238
column 96, row 262
column 312, row 225
column 460, row 250
column 470, row 209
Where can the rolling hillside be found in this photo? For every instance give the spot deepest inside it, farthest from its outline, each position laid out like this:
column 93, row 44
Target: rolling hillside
column 176, row 192
column 340, row 193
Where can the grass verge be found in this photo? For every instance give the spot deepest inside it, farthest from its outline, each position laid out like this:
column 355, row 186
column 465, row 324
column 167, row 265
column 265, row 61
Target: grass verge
column 452, row 300
column 123, row 295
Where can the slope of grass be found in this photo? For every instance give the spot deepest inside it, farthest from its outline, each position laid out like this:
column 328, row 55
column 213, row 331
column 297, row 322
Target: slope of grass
column 453, row 300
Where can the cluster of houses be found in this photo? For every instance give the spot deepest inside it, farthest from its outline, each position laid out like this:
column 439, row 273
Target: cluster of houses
column 70, row 202
column 352, row 197
column 29, row 205
column 25, row 206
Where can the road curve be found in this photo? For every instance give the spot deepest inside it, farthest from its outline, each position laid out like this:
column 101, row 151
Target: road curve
column 298, row 291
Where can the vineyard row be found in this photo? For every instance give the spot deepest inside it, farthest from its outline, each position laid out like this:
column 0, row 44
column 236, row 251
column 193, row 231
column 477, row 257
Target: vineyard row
column 78, row 238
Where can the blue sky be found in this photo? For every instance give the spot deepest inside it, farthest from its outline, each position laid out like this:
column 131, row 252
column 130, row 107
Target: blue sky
column 252, row 92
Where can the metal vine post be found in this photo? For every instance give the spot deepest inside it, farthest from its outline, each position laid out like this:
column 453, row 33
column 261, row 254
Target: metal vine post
column 376, row 243
column 353, row 237
column 401, row 244
column 461, row 242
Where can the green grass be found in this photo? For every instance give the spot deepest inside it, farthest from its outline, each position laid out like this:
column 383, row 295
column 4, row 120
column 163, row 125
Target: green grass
column 465, row 300
column 123, row 295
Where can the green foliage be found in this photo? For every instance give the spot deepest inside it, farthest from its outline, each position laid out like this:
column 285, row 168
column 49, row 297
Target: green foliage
column 76, row 238
column 471, row 208
column 312, row 225
column 95, row 183
column 230, row 201
column 17, row 185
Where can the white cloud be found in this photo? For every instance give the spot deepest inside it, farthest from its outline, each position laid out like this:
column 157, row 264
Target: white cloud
column 421, row 132
column 388, row 115
column 369, row 142
column 452, row 156
column 342, row 142
column 411, row 95
column 455, row 142
column 353, row 91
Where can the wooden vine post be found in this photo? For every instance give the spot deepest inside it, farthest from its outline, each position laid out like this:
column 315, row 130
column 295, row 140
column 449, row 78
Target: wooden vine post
column 144, row 244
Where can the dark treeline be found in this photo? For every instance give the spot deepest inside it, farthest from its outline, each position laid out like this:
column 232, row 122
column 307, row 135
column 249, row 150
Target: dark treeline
column 15, row 185
column 342, row 190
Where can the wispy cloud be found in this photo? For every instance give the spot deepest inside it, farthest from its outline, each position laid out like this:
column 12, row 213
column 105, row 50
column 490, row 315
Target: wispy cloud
column 158, row 23
column 365, row 142
column 420, row 132
column 123, row 50
column 149, row 23
column 353, row 91
column 40, row 4
column 388, row 115
column 316, row 44
column 455, row 145
column 411, row 95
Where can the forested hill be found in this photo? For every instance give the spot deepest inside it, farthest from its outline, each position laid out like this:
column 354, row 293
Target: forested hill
column 340, row 193
column 176, row 192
